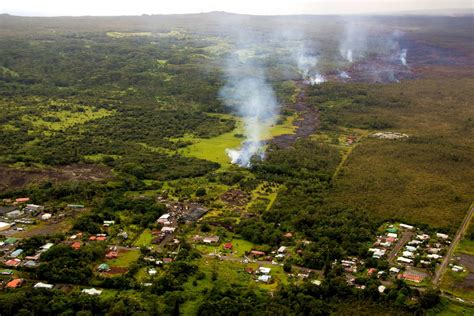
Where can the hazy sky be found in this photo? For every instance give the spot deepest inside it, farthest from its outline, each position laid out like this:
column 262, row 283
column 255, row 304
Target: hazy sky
column 137, row 7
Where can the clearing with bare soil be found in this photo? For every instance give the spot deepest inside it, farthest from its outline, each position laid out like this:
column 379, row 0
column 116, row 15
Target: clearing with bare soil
column 11, row 178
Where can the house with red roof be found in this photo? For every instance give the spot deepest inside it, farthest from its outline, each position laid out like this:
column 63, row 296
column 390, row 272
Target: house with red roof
column 411, row 277
column 15, row 283
column 13, row 262
column 76, row 245
column 228, row 246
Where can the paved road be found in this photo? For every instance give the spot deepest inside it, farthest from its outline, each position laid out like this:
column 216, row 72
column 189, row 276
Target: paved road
column 456, row 240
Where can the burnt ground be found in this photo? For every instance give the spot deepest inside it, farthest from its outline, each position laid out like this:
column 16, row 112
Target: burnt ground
column 306, row 124
column 11, row 178
column 421, row 56
column 468, row 262
column 236, row 197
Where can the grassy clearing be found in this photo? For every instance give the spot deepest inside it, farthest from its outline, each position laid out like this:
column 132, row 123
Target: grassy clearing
column 144, row 239
column 450, row 283
column 214, row 149
column 125, row 259
column 450, row 308
column 60, row 120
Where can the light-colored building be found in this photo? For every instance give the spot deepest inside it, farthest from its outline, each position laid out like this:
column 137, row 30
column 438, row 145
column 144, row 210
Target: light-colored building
column 41, row 285
column 5, row 226
column 92, row 291
column 404, row 260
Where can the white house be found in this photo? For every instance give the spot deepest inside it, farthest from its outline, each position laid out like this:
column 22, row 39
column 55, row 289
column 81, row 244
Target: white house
column 41, row 285
column 282, row 249
column 264, row 270
column 168, row 230
column 92, row 291
column 164, row 218
column 406, row 226
column 423, row 237
column 443, row 236
column 404, row 260
column 264, row 278
column 433, row 256
column 393, row 235
column 394, row 270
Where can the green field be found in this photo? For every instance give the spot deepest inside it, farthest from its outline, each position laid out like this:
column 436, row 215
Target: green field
column 125, row 259
column 144, row 239
column 214, row 148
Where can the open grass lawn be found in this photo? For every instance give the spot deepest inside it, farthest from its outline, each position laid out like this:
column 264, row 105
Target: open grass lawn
column 125, row 259
column 144, row 239
column 450, row 308
column 426, row 179
column 62, row 119
column 451, row 283
column 214, row 149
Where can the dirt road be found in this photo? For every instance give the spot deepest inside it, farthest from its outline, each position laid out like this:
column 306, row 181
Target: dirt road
column 456, row 240
column 407, row 235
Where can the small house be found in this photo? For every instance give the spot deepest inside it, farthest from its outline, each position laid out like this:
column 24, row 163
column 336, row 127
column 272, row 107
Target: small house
column 46, row 216
column 394, row 270
column 228, row 246
column 47, row 246
column 439, row 235
column 15, row 283
column 405, row 226
column 264, row 278
column 108, row 223
column 264, row 270
column 5, row 226
column 16, row 253
column 282, row 249
column 32, row 208
column 76, row 245
column 6, row 272
column 411, row 277
column 210, row 240
column 41, row 285
column 257, row 253
column 22, row 200
column 404, row 260
column 103, row 267
column 92, row 291
column 111, row 255
column 164, row 219
column 13, row 262
column 168, row 230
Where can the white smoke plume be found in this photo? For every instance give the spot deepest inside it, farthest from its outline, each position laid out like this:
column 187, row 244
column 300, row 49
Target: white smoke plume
column 307, row 63
column 249, row 93
column 403, row 56
column 353, row 44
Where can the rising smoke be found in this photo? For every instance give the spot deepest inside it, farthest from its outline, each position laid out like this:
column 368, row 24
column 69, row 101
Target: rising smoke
column 248, row 92
column 353, row 45
column 307, row 62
